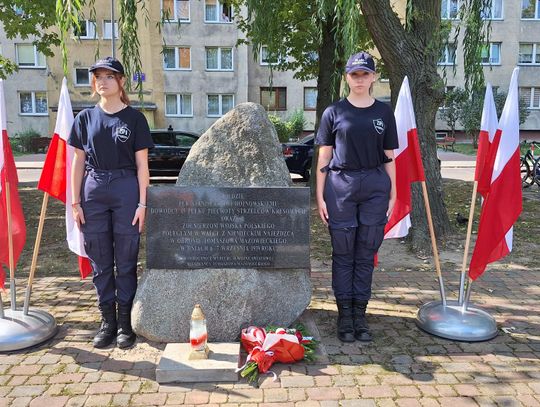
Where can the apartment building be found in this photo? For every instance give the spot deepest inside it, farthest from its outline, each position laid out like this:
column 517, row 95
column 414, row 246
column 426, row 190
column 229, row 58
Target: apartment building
column 27, row 102
column 514, row 41
column 193, row 71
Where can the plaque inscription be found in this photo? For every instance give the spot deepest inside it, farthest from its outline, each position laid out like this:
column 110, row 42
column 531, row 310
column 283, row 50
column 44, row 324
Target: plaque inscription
column 214, row 227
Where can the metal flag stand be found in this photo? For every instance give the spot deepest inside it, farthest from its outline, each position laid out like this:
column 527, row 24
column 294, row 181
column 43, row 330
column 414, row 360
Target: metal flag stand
column 457, row 320
column 21, row 329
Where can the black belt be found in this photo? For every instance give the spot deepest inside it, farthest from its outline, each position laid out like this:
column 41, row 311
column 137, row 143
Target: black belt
column 117, row 173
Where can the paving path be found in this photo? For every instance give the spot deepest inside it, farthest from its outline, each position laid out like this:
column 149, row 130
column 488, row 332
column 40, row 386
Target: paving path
column 402, row 367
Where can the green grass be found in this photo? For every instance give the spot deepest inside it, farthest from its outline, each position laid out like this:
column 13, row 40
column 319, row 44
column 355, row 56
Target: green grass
column 55, row 259
column 465, row 148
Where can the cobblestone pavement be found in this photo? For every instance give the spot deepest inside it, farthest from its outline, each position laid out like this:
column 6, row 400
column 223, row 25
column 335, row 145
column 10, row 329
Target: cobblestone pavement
column 403, row 366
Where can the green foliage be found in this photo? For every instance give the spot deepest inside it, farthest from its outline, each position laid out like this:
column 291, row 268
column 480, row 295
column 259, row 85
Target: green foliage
column 470, row 112
column 294, row 29
column 24, row 19
column 281, row 127
column 69, row 12
column 296, row 123
column 22, row 141
column 475, row 36
column 451, row 110
column 290, row 128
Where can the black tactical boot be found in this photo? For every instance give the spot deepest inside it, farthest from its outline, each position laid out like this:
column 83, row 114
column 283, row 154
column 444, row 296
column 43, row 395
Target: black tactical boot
column 345, row 328
column 107, row 332
column 361, row 329
column 126, row 337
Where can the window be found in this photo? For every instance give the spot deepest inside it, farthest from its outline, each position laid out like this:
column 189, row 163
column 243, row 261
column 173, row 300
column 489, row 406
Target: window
column 176, row 10
column 274, row 98
column 178, row 105
column 494, row 11
column 448, row 55
column 310, row 98
column 529, row 53
column 82, row 77
column 530, row 9
column 491, row 54
column 267, row 59
column 531, row 96
column 449, row 9
column 107, row 29
column 177, row 58
column 218, row 105
column 217, row 12
column 29, row 57
column 219, row 59
column 86, row 30
column 33, row 103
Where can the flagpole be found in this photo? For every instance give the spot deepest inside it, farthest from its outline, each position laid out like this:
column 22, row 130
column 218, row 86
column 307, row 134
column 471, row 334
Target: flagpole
column 36, row 252
column 467, row 295
column 434, row 243
column 467, row 243
column 12, row 284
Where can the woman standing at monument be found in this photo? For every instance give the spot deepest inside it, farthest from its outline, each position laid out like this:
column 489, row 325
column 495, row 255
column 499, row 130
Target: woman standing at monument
column 109, row 179
column 356, row 190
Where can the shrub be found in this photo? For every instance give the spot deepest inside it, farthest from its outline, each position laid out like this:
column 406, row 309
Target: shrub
column 292, row 128
column 281, row 128
column 23, row 140
column 296, row 123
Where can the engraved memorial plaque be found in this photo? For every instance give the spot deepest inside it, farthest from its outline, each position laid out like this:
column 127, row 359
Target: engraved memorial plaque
column 217, row 227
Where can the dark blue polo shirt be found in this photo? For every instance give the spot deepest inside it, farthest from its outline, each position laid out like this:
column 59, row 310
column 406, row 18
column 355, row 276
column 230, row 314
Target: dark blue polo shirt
column 359, row 135
column 110, row 140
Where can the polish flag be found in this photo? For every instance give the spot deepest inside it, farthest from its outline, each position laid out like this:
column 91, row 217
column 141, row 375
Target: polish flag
column 56, row 176
column 485, row 156
column 8, row 174
column 409, row 166
column 502, row 205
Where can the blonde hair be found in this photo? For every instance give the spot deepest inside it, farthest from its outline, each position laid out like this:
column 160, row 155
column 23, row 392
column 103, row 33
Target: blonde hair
column 123, row 94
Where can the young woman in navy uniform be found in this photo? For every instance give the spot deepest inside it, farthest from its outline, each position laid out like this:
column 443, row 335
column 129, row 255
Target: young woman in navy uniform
column 356, row 190
column 109, row 179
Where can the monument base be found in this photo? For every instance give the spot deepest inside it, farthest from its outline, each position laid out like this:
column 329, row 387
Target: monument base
column 175, row 365
column 452, row 322
column 19, row 331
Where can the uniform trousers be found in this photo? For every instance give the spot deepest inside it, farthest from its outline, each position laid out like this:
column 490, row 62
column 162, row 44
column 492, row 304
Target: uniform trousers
column 357, row 202
column 109, row 200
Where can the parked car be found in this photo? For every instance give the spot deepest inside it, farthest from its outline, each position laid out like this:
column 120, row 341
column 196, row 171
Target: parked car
column 298, row 156
column 171, row 148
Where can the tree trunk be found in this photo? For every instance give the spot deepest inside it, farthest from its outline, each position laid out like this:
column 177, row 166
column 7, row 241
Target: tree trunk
column 331, row 64
column 414, row 52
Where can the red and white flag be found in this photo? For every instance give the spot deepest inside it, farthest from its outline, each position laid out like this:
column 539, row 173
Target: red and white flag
column 8, row 174
column 503, row 204
column 409, row 166
column 56, row 176
column 485, row 155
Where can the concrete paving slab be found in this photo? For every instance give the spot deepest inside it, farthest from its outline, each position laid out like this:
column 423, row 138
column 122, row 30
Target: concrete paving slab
column 176, row 367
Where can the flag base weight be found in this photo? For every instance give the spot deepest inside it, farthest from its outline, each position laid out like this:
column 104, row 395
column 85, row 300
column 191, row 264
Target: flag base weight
column 19, row 331
column 452, row 322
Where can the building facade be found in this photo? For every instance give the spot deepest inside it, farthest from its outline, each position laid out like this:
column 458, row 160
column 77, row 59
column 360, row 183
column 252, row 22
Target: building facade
column 514, row 41
column 194, row 71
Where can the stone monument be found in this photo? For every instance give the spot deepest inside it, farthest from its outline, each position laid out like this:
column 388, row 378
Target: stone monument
column 240, row 150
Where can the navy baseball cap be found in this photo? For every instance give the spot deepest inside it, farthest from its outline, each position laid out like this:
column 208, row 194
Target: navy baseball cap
column 361, row 61
column 108, row 63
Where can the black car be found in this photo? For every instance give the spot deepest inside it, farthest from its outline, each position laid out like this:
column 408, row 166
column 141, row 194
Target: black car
column 171, row 148
column 299, row 156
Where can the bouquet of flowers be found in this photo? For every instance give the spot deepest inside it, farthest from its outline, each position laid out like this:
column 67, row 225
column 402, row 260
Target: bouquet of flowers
column 273, row 344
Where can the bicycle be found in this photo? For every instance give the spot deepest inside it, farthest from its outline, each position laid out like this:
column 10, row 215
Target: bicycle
column 530, row 165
